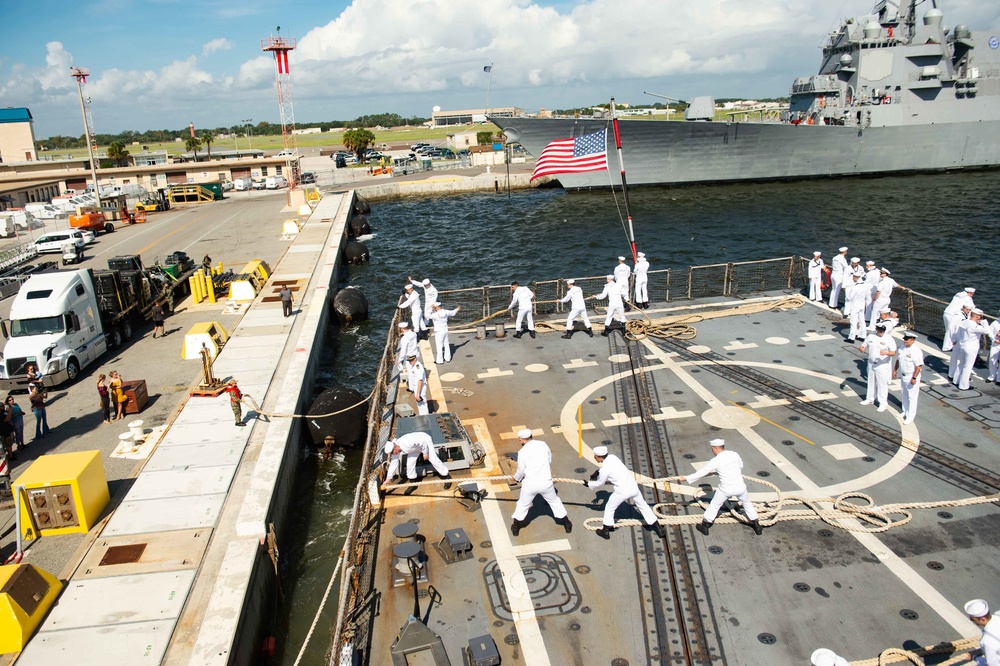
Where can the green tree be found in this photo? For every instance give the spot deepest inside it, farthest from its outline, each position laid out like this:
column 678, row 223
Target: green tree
column 193, row 144
column 207, row 138
column 117, row 153
column 357, row 141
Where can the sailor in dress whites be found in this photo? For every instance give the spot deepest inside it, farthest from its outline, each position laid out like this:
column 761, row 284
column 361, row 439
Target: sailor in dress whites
column 622, row 273
column 882, row 295
column 994, row 375
column 430, row 295
column 872, row 276
column 889, row 319
column 729, row 466
column 838, row 275
column 522, row 296
column 411, row 300
column 953, row 315
column 880, row 349
column 855, row 268
column 416, row 383
column 988, row 653
column 952, row 333
column 967, row 344
column 407, row 344
column 612, row 292
column 415, row 445
column 534, row 473
column 578, row 308
column 439, row 318
column 641, row 279
column 614, row 471
column 854, row 307
column 909, row 364
column 825, row 657
column 816, row 277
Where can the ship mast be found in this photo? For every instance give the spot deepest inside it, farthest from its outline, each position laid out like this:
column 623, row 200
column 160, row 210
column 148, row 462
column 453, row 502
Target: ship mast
column 621, row 163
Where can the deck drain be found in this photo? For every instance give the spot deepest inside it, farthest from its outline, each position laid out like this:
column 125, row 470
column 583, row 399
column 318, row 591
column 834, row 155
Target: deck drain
column 493, row 413
column 582, row 569
column 486, row 544
column 678, row 392
column 549, row 582
column 970, row 445
column 846, row 372
column 585, row 610
column 945, row 514
column 574, row 627
column 741, row 403
column 828, row 355
column 694, row 371
column 482, row 559
column 788, row 442
column 970, row 418
column 794, row 418
column 480, row 381
column 868, row 459
column 618, row 661
column 730, row 353
column 825, row 533
column 714, row 428
column 511, row 639
column 606, row 442
column 689, row 456
column 571, row 372
column 595, row 402
column 536, row 391
column 498, row 623
column 778, row 361
column 580, row 470
column 767, row 639
column 514, row 363
column 715, row 550
column 935, row 566
column 763, row 473
column 401, row 512
column 756, row 323
column 801, row 587
column 800, row 345
column 908, row 614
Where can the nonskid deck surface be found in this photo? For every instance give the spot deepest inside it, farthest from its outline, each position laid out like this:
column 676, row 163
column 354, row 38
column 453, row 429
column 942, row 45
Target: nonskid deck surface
column 782, row 387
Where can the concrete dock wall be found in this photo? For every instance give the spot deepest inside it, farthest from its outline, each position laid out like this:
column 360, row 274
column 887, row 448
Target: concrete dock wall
column 444, row 185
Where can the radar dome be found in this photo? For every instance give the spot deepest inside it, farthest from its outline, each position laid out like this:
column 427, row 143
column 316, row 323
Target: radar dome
column 436, row 109
column 962, row 31
column 872, row 30
column 933, row 16
column 846, row 60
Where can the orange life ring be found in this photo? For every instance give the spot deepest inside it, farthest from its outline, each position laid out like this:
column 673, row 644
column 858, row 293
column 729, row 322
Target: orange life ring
column 822, row 101
column 824, row 279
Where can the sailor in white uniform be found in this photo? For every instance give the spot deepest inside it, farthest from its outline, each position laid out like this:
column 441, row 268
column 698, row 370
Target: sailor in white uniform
column 967, row 342
column 578, row 308
column 614, row 471
column 430, row 295
column 416, row 383
column 415, row 445
column 880, row 349
column 641, row 279
column 909, row 364
column 612, row 292
column 988, row 653
column 889, row 319
column 994, row 375
column 411, row 300
column 838, row 274
column 855, row 268
column 953, row 314
column 825, row 657
column 952, row 333
column 882, row 295
column 729, row 466
column 534, row 473
column 622, row 272
column 816, row 277
column 407, row 344
column 439, row 319
column 854, row 307
column 522, row 297
column 872, row 276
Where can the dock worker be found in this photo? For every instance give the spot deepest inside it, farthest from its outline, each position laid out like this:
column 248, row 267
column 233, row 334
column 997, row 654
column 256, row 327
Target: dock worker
column 415, row 445
column 988, row 653
column 416, row 383
column 439, row 319
column 882, row 294
column 994, row 372
column 816, row 277
column 534, row 473
column 953, row 314
column 614, row 471
column 578, row 308
column 612, row 292
column 411, row 300
column 430, row 294
column 854, row 308
column 729, row 466
column 522, row 297
column 880, row 349
column 407, row 344
column 286, row 301
column 909, row 364
column 641, row 279
column 838, row 274
column 235, row 401
column 967, row 344
column 825, row 657
column 952, row 333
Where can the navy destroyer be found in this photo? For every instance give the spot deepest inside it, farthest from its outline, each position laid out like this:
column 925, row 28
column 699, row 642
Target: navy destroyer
column 893, row 95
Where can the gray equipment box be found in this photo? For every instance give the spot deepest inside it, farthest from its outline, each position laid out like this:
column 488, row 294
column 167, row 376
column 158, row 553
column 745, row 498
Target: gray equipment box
column 450, row 439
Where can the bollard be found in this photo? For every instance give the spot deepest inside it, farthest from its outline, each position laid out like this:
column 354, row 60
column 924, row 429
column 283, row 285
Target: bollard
column 135, row 427
column 480, row 331
column 125, row 441
column 210, row 288
column 195, row 296
column 501, row 331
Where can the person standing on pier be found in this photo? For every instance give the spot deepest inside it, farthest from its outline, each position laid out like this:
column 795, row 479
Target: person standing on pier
column 534, row 473
column 988, row 653
column 416, row 383
column 411, row 299
column 578, row 308
column 882, row 295
column 880, row 349
column 235, row 401
column 522, row 297
column 967, row 344
column 439, row 318
column 994, row 375
column 614, row 471
column 612, row 292
column 729, row 466
column 286, row 301
column 953, row 315
column 908, row 366
column 407, row 345
column 838, row 274
column 415, row 445
column 854, row 308
column 641, row 278
column 816, row 267
column 430, row 294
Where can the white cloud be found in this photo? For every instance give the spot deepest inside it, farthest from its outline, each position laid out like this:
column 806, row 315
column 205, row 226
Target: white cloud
column 220, row 44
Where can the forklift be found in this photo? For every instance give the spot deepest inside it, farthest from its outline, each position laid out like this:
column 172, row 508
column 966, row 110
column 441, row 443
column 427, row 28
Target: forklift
column 154, row 201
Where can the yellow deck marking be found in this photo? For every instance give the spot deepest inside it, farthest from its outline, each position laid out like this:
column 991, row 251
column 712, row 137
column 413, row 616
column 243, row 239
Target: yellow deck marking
column 790, row 432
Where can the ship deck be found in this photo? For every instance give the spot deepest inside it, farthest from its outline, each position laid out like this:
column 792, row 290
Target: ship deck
column 781, row 385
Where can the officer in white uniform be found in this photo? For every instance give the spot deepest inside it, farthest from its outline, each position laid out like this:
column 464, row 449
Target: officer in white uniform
column 953, row 314
column 825, row 657
column 416, row 383
column 838, row 274
column 816, row 277
column 952, row 333
column 534, row 473
column 407, row 344
column 622, row 272
column 880, row 349
column 909, row 364
column 641, row 279
column 578, row 308
column 430, row 294
column 854, row 307
column 614, row 471
column 522, row 296
column 988, row 653
column 967, row 344
column 994, row 375
column 612, row 292
column 729, row 466
column 439, row 319
column 882, row 295
column 872, row 276
column 411, row 300
column 414, row 445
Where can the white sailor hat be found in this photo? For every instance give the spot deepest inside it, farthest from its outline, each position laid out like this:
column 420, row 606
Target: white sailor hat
column 571, row 281
column 721, row 443
column 436, row 304
column 426, row 281
column 403, row 324
column 909, row 335
column 817, row 253
column 409, row 286
column 826, row 657
column 524, row 433
column 855, row 260
column 978, row 311
column 966, row 306
column 971, row 290
column 843, row 249
column 977, row 608
column 880, row 327
column 621, row 258
column 389, row 446
column 884, row 270
column 641, row 255
column 869, row 263
column 885, row 310
column 600, row 451
column 611, row 277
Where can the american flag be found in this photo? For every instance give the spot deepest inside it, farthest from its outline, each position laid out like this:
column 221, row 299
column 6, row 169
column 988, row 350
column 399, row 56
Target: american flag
column 584, row 153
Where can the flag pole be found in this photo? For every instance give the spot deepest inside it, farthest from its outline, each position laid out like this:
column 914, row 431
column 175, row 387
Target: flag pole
column 489, row 84
column 621, row 163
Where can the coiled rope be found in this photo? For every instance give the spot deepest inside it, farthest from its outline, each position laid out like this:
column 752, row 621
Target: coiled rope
column 898, row 655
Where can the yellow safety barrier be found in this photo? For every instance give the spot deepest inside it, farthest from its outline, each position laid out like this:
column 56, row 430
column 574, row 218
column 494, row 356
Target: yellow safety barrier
column 209, row 333
column 61, row 493
column 28, row 593
column 210, row 286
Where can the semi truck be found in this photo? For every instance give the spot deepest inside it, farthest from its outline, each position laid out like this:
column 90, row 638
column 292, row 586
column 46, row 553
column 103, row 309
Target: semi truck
column 61, row 321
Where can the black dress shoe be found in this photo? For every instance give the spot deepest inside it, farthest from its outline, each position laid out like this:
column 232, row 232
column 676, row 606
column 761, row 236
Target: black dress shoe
column 567, row 335
column 532, row 334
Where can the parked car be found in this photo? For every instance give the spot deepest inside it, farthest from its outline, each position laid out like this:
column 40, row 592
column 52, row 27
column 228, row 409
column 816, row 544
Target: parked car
column 44, row 211
column 416, row 146
column 88, row 236
column 227, row 185
column 307, row 178
column 53, row 241
column 339, row 161
column 276, row 182
column 259, row 183
column 241, row 184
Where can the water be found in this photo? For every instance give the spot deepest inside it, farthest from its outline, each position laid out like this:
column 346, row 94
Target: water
column 937, row 234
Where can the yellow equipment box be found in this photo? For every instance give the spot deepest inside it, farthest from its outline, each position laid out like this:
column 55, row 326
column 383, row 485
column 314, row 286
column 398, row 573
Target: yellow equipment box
column 64, row 493
column 26, row 594
column 250, row 281
column 209, row 333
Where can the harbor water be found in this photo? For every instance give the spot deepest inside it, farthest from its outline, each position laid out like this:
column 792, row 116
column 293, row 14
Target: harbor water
column 937, row 234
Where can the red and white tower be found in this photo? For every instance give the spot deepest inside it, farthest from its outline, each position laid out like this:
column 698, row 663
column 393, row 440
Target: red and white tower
column 81, row 74
column 280, row 46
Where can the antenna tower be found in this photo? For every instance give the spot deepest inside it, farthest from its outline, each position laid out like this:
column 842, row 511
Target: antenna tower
column 81, row 74
column 280, row 46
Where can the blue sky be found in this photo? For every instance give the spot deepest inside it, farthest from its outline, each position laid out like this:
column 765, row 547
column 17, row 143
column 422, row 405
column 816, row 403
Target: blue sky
column 164, row 63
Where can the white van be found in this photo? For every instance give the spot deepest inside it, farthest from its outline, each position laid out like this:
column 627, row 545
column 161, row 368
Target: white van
column 241, row 184
column 22, row 219
column 43, row 211
column 276, row 183
column 133, row 191
column 53, row 241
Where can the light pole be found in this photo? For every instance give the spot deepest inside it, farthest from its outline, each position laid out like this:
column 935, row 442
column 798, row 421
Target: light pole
column 247, row 121
column 236, row 140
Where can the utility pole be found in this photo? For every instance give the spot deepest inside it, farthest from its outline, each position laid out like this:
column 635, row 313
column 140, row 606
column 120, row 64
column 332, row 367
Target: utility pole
column 81, row 74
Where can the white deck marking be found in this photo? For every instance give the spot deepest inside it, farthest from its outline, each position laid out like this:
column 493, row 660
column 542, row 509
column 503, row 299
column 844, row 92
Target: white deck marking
column 813, row 336
column 452, row 377
column 536, row 367
column 767, row 401
column 578, row 363
column 736, row 345
column 812, row 395
column 621, row 419
column 699, row 349
column 542, row 547
column 512, row 433
column 668, row 413
column 777, row 340
column 845, row 451
column 558, row 429
column 494, row 372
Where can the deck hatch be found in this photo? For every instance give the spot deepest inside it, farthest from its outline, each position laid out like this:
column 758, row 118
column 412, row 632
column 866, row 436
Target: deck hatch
column 550, row 583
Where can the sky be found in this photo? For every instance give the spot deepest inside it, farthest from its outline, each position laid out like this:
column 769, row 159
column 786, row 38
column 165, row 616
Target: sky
column 161, row 64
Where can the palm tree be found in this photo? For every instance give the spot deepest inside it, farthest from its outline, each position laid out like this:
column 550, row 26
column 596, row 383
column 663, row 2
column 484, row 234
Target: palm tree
column 193, row 144
column 117, row 154
column 207, row 138
column 357, row 140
